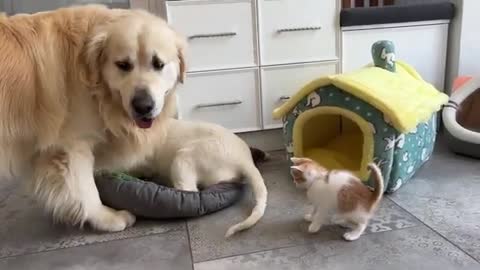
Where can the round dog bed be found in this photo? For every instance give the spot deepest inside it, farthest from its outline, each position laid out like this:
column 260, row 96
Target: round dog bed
column 151, row 200
column 461, row 117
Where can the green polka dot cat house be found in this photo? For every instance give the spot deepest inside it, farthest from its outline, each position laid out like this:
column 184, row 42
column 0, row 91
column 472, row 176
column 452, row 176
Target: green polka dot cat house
column 383, row 113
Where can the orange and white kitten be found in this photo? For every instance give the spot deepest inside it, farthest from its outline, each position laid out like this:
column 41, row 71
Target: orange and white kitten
column 339, row 190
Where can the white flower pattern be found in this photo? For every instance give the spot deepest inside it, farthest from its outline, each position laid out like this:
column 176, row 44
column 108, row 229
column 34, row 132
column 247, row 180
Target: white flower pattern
column 313, row 100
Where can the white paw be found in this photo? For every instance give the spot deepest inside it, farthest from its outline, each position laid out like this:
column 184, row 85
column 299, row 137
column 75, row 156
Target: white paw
column 308, row 217
column 110, row 220
column 313, row 228
column 351, row 236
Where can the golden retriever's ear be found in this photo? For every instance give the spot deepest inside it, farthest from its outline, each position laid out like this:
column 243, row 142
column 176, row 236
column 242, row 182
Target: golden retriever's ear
column 181, row 47
column 94, row 54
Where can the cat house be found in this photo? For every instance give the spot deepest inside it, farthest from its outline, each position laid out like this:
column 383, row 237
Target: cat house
column 383, row 113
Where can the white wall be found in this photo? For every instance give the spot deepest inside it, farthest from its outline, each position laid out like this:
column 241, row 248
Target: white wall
column 464, row 47
column 31, row 6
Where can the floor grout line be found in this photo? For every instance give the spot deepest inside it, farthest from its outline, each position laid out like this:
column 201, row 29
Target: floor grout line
column 308, row 242
column 189, row 244
column 435, row 231
column 87, row 244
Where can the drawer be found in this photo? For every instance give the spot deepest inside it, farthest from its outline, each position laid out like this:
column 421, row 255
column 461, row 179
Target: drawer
column 228, row 98
column 281, row 82
column 293, row 31
column 220, row 32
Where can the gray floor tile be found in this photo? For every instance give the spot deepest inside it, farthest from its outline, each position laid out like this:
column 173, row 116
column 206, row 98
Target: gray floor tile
column 282, row 224
column 25, row 229
column 413, row 248
column 445, row 195
column 164, row 251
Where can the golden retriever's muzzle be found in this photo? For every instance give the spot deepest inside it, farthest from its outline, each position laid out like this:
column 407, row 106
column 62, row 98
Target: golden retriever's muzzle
column 143, row 107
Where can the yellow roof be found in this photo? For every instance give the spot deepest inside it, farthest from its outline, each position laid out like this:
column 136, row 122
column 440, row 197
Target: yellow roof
column 403, row 97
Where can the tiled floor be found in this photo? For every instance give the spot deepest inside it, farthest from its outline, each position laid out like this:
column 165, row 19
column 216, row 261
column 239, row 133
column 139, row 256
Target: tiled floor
column 432, row 222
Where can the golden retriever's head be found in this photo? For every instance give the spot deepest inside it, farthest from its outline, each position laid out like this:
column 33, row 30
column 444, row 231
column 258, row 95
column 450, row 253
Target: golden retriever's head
column 140, row 59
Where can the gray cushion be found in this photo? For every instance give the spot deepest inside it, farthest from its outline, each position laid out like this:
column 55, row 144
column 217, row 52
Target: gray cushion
column 151, row 200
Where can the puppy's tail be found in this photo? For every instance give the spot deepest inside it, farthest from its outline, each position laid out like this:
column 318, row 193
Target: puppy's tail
column 259, row 189
column 378, row 182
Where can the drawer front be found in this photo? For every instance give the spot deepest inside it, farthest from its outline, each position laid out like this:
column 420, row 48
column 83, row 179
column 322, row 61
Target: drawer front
column 228, row 98
column 293, row 31
column 281, row 82
column 220, row 33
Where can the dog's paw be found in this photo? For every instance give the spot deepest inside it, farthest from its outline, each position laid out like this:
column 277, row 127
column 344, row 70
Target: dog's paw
column 308, row 217
column 314, row 228
column 351, row 236
column 128, row 217
column 110, row 220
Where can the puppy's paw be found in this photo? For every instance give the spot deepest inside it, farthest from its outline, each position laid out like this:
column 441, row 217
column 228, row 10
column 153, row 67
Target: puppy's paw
column 128, row 217
column 110, row 220
column 308, row 217
column 314, row 228
column 351, row 236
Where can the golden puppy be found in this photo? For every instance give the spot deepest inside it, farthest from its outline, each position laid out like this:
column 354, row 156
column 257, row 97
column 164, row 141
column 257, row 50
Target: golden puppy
column 83, row 88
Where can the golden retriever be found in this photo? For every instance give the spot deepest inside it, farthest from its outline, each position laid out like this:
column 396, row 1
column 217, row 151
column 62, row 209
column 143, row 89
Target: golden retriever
column 83, row 88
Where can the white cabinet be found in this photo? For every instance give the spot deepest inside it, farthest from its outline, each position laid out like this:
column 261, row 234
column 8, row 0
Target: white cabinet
column 421, row 44
column 220, row 33
column 281, row 82
column 297, row 31
column 229, row 98
column 244, row 55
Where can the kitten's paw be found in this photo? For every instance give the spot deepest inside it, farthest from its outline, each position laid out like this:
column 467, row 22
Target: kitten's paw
column 308, row 217
column 314, row 228
column 351, row 236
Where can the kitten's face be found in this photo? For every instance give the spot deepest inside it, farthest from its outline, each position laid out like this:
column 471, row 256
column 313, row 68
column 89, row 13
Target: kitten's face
column 305, row 171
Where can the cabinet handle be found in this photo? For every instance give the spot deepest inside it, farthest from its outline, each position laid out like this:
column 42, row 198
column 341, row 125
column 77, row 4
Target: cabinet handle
column 283, row 98
column 309, row 28
column 207, row 105
column 213, row 35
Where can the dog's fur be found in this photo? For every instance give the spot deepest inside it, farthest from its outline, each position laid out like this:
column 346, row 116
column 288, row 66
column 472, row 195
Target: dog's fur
column 203, row 154
column 65, row 104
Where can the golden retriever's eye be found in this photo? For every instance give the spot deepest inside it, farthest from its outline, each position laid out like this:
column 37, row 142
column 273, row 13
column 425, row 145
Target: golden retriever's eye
column 124, row 65
column 157, row 63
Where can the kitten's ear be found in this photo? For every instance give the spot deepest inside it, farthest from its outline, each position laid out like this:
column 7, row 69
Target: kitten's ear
column 296, row 172
column 296, row 168
column 296, row 160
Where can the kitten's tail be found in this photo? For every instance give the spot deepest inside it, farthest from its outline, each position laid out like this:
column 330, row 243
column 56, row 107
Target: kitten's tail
column 259, row 189
column 378, row 182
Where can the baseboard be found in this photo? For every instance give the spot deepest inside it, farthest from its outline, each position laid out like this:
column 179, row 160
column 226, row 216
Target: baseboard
column 267, row 140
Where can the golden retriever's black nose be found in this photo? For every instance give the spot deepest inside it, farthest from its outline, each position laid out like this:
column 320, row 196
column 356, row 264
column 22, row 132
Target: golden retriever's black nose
column 142, row 102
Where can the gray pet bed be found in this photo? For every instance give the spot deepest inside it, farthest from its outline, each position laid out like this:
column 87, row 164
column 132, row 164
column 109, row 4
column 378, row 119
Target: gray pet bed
column 461, row 118
column 151, row 200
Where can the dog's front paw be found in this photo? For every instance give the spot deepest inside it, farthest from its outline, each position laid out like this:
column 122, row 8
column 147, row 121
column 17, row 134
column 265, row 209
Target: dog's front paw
column 111, row 220
column 351, row 236
column 314, row 228
column 308, row 217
